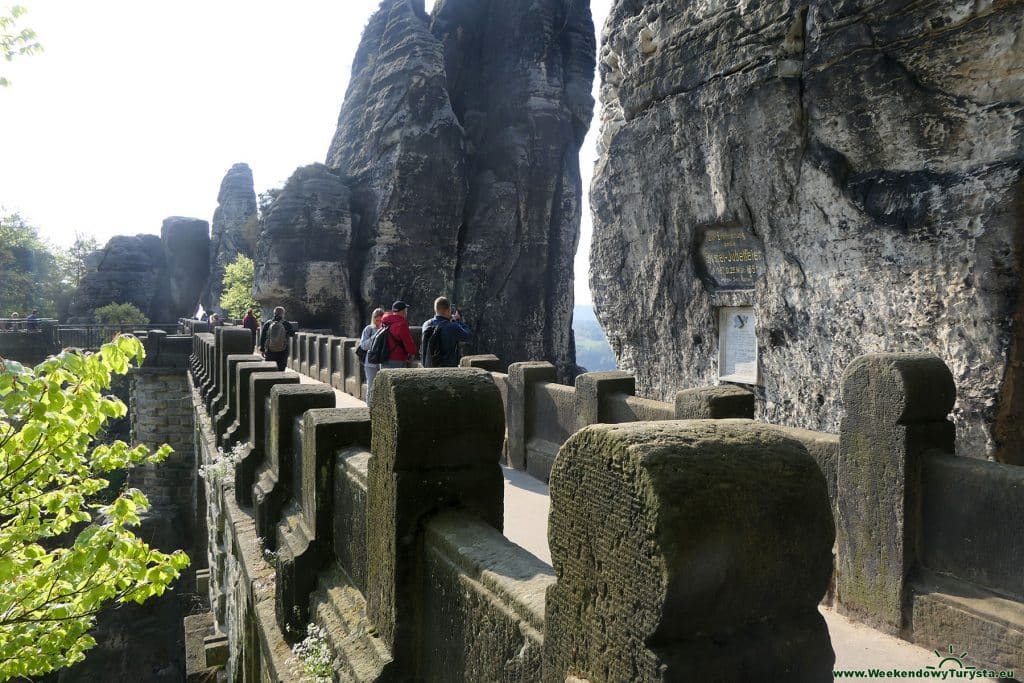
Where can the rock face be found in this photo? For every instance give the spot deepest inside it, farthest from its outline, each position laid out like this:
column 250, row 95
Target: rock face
column 163, row 276
column 232, row 232
column 303, row 252
column 864, row 160
column 459, row 141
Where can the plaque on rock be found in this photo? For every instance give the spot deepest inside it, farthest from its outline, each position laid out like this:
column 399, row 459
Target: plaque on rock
column 737, row 345
column 730, row 257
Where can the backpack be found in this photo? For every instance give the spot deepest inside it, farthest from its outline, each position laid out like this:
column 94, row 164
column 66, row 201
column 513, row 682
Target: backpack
column 277, row 337
column 430, row 348
column 378, row 352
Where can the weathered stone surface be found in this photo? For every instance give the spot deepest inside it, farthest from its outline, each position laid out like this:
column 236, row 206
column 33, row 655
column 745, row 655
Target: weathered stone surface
column 459, row 140
column 713, row 549
column 421, row 466
column 872, row 150
column 233, row 230
column 896, row 407
column 402, row 146
column 302, row 257
column 163, row 276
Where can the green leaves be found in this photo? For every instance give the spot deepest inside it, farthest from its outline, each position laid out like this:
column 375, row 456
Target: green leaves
column 120, row 314
column 16, row 42
column 236, row 298
column 50, row 472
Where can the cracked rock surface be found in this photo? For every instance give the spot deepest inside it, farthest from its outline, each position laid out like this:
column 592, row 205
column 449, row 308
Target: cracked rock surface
column 873, row 149
column 231, row 232
column 459, row 142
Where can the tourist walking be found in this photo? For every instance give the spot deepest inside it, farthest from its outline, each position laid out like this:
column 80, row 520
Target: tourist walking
column 32, row 321
column 401, row 347
column 369, row 369
column 250, row 323
column 441, row 336
column 274, row 338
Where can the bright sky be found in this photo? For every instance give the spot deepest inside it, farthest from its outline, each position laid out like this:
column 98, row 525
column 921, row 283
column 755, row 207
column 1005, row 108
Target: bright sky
column 136, row 109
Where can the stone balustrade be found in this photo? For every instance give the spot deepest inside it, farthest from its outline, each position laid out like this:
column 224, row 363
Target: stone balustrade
column 927, row 543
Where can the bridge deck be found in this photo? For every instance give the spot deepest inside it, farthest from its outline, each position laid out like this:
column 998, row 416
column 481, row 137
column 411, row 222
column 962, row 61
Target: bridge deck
column 526, row 523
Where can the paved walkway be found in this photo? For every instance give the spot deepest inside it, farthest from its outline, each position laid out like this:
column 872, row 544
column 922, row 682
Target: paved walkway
column 526, row 524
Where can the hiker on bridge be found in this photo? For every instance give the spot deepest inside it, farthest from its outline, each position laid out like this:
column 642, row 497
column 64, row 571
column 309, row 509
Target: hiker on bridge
column 274, row 339
column 250, row 322
column 401, row 346
column 442, row 334
column 369, row 369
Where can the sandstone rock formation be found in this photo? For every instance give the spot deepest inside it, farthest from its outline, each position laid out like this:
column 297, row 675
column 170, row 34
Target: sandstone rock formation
column 867, row 157
column 302, row 257
column 459, row 140
column 163, row 276
column 232, row 232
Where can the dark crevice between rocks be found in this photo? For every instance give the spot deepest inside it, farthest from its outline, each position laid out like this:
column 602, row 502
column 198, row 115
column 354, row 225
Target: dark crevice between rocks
column 553, row 293
column 1006, row 430
column 798, row 37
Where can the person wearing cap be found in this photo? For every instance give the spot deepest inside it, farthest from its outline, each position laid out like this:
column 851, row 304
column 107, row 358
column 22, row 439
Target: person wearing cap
column 401, row 347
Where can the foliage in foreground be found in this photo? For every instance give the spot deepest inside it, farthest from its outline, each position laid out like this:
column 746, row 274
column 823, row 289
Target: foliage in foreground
column 14, row 41
column 120, row 314
column 64, row 556
column 236, row 298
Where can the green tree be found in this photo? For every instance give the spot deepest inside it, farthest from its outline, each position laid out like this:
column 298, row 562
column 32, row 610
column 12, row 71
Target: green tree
column 236, row 298
column 63, row 554
column 72, row 260
column 28, row 269
column 120, row 314
column 14, row 41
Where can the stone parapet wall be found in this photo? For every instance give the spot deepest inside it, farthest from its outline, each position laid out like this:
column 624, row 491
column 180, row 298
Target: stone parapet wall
column 435, row 591
column 893, row 482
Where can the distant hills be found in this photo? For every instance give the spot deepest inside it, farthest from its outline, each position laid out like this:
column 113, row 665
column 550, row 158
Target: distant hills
column 592, row 349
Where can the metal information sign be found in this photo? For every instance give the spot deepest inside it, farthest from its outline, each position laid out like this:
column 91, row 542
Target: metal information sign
column 737, row 345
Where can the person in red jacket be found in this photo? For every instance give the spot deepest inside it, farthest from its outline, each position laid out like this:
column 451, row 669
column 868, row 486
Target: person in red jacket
column 401, row 347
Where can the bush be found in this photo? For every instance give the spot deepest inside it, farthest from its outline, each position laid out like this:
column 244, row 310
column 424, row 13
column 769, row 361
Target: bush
column 120, row 314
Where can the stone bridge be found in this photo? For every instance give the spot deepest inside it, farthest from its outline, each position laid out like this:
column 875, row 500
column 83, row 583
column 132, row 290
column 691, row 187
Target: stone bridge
column 686, row 540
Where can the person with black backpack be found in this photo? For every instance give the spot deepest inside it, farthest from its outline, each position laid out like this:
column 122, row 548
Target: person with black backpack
column 274, row 338
column 369, row 369
column 441, row 336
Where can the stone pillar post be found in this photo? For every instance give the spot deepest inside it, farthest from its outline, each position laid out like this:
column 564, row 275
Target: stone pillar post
column 437, row 437
column 329, row 367
column 238, row 431
column 338, row 363
column 714, row 403
column 233, row 340
column 353, row 370
column 304, row 535
column 273, row 484
column 896, row 407
column 203, row 362
column 260, row 384
column 593, row 388
column 303, row 340
column 687, row 551
column 484, row 361
column 521, row 377
column 294, row 353
column 209, row 382
column 223, row 419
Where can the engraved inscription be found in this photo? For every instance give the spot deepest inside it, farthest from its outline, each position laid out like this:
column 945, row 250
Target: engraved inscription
column 730, row 258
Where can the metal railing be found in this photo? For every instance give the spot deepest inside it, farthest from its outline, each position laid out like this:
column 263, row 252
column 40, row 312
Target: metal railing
column 91, row 337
